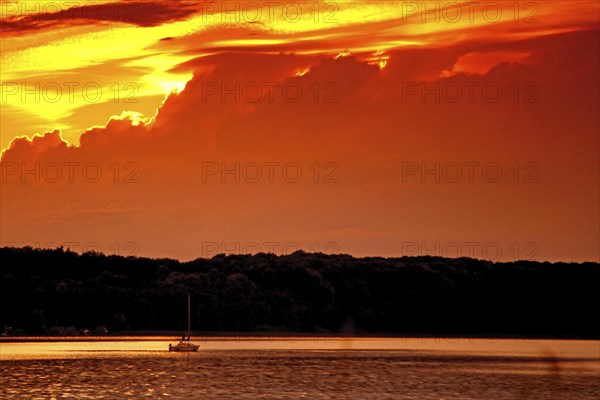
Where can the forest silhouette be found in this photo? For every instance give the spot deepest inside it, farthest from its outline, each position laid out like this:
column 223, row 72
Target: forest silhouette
column 56, row 291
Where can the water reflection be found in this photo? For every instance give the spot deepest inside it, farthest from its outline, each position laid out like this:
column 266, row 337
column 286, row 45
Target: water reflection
column 301, row 368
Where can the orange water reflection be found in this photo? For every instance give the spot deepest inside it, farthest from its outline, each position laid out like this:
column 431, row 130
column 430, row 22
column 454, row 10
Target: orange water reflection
column 58, row 347
column 293, row 368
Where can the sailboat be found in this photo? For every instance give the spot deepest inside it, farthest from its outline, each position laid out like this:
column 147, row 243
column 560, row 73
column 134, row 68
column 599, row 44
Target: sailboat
column 184, row 344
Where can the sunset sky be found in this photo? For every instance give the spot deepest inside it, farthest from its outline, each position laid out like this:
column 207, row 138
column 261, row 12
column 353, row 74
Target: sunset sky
column 374, row 128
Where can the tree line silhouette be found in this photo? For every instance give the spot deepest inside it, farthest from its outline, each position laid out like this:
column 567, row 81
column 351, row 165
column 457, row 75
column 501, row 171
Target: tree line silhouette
column 56, row 291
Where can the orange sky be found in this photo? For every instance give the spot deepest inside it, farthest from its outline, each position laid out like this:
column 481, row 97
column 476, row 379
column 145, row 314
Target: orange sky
column 368, row 128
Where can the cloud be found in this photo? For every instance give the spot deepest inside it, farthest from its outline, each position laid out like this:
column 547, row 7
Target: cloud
column 31, row 149
column 139, row 13
column 482, row 63
column 325, row 151
column 148, row 68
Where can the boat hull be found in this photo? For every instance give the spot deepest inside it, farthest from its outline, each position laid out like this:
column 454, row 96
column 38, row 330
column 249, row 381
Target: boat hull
column 185, row 348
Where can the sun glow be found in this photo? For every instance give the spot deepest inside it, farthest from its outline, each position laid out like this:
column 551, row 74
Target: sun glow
column 302, row 72
column 69, row 59
column 380, row 59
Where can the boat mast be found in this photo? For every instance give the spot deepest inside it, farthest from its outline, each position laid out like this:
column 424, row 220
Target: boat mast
column 188, row 316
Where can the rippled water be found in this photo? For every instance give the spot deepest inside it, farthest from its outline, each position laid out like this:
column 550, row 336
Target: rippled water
column 332, row 368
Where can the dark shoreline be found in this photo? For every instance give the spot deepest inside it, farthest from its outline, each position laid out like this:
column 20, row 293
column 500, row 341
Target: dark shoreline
column 60, row 293
column 266, row 336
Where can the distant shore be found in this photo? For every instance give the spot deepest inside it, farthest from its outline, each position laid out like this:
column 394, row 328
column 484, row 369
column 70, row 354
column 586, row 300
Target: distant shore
column 53, row 292
column 267, row 336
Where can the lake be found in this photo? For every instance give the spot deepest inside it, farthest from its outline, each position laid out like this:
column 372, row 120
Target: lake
column 300, row 368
